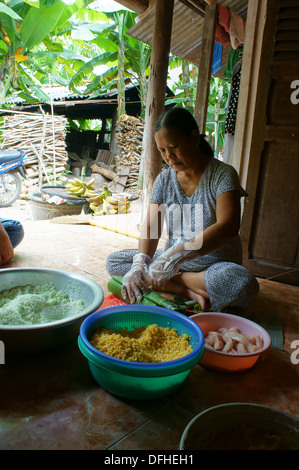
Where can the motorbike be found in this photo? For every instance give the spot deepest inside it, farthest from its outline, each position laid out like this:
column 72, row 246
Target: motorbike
column 11, row 170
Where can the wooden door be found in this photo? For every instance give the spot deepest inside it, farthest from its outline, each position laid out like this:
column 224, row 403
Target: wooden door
column 270, row 223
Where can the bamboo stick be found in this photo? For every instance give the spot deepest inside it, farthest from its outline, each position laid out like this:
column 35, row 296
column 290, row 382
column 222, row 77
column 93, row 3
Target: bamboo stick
column 33, row 133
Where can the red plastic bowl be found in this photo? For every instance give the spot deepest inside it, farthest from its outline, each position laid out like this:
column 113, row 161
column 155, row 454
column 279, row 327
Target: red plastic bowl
column 229, row 362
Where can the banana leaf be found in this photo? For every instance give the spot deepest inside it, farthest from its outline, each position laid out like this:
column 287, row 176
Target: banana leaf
column 39, row 22
column 150, row 298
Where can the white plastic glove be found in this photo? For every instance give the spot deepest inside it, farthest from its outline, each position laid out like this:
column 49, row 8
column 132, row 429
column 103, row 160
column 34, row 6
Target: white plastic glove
column 134, row 282
column 168, row 263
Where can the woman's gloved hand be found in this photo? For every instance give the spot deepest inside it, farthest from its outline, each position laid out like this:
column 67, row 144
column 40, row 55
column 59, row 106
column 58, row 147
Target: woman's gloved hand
column 168, row 263
column 135, row 282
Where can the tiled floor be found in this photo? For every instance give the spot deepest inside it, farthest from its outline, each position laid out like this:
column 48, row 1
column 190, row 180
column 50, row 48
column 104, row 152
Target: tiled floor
column 51, row 401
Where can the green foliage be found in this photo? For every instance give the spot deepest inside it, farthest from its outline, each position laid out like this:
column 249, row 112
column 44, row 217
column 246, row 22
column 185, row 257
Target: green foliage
column 51, row 41
column 29, row 31
column 39, row 22
column 185, row 96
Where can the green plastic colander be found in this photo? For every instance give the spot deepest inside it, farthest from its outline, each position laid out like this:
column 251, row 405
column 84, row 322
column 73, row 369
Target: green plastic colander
column 136, row 379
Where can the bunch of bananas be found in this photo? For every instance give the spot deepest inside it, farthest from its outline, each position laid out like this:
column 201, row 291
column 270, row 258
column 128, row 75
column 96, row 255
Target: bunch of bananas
column 96, row 201
column 118, row 204
column 79, row 188
column 100, row 203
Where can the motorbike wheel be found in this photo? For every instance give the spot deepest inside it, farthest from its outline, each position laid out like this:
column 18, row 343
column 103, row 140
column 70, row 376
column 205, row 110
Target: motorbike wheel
column 10, row 188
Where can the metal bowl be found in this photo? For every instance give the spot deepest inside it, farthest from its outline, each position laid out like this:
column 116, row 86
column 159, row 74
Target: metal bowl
column 241, row 426
column 40, row 337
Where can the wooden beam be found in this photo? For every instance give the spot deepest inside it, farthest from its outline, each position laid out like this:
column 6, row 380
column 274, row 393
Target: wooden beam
column 251, row 120
column 157, row 82
column 191, row 4
column 282, row 134
column 198, row 5
column 139, row 6
column 205, row 66
column 254, row 88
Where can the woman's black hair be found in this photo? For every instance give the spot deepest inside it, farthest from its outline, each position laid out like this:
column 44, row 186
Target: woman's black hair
column 182, row 120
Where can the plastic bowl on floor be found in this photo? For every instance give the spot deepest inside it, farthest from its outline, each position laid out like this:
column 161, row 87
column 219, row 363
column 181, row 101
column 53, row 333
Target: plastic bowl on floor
column 241, row 426
column 136, row 379
column 43, row 210
column 31, row 338
column 229, row 362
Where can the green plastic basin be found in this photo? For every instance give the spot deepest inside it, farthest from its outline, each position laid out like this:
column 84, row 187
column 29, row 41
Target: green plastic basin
column 135, row 379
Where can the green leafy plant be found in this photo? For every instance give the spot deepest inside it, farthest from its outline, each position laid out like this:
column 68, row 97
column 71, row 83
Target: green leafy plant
column 51, row 42
column 185, row 96
column 28, row 30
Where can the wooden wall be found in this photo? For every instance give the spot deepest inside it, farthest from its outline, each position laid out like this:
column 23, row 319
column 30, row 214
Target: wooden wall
column 270, row 141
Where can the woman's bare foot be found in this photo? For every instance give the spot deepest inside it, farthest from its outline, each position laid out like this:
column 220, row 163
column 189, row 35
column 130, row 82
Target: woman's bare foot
column 199, row 299
column 172, row 287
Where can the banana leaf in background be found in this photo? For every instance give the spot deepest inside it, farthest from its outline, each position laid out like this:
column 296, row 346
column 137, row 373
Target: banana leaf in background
column 39, row 22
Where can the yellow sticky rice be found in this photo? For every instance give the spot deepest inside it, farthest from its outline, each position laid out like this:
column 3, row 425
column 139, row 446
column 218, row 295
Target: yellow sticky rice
column 150, row 343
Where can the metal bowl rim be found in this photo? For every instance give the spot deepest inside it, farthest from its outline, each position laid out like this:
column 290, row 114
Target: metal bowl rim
column 271, row 411
column 65, row 321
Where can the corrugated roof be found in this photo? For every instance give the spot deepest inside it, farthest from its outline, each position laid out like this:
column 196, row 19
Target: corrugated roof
column 55, row 92
column 62, row 93
column 75, row 105
column 187, row 28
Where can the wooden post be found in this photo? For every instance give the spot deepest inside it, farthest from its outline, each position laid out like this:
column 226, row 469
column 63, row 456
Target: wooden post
column 254, row 85
column 157, row 82
column 205, row 66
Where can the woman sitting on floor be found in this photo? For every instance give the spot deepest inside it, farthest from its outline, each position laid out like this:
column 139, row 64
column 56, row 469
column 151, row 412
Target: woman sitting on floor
column 199, row 197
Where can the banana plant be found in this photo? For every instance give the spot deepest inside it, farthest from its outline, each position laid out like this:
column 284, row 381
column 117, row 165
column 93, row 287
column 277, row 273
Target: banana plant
column 185, row 95
column 138, row 55
column 8, row 42
column 133, row 59
column 219, row 92
column 126, row 60
column 23, row 26
column 38, row 43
